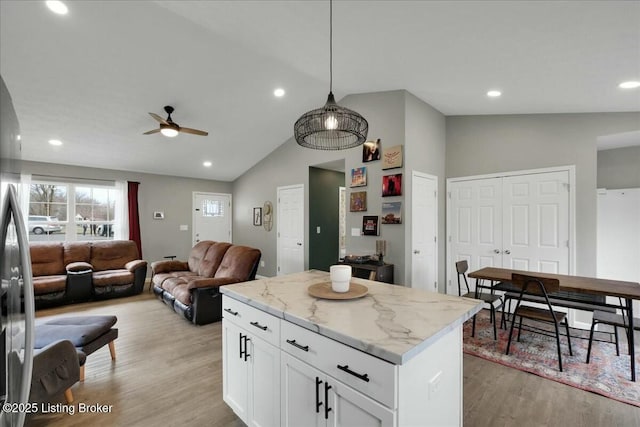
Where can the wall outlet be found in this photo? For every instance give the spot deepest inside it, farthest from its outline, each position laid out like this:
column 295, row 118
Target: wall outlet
column 261, row 263
column 184, row 227
column 318, row 230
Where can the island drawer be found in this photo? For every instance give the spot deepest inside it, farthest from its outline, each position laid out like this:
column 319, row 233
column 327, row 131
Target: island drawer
column 373, row 377
column 257, row 322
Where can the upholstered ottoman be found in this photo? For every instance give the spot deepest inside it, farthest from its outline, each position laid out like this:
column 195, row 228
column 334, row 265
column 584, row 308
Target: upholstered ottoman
column 87, row 333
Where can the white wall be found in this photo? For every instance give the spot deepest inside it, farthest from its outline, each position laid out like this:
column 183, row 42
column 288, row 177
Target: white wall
column 487, row 144
column 619, row 168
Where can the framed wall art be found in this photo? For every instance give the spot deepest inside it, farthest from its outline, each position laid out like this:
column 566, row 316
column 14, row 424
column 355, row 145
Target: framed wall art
column 392, row 157
column 392, row 213
column 359, row 177
column 257, row 216
column 370, row 225
column 371, row 151
column 358, row 201
column 392, row 185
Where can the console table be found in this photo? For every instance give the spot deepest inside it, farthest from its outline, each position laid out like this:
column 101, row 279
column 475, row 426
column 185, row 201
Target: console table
column 384, row 273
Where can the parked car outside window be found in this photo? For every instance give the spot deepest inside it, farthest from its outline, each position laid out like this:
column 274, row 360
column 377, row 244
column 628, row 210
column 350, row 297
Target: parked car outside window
column 43, row 224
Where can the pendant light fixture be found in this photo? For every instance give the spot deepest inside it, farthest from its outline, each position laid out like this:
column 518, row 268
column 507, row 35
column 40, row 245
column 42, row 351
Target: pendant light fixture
column 331, row 127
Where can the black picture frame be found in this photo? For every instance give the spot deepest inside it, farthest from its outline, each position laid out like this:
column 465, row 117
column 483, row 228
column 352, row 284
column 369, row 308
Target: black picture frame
column 257, row 216
column 370, row 225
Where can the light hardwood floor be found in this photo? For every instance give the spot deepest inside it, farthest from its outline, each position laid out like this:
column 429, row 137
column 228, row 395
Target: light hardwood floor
column 168, row 373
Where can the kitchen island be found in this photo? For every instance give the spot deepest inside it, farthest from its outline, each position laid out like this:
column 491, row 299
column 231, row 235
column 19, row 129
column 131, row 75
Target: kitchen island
column 391, row 358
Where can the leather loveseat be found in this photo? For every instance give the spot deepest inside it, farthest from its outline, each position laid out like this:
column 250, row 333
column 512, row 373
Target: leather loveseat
column 190, row 287
column 66, row 272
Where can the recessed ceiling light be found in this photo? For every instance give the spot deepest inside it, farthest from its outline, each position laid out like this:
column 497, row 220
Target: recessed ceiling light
column 494, row 93
column 57, row 7
column 279, row 92
column 632, row 84
column 207, row 164
column 55, row 142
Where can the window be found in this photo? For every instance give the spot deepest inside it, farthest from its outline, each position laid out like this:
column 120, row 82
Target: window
column 70, row 212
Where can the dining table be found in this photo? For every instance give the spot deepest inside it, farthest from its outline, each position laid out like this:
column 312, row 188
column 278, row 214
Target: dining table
column 576, row 287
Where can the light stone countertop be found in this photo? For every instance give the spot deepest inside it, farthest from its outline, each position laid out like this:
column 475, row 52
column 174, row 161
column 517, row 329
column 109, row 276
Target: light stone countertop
column 391, row 322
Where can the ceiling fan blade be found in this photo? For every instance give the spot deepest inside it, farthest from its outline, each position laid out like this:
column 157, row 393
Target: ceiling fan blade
column 151, row 131
column 158, row 118
column 194, row 131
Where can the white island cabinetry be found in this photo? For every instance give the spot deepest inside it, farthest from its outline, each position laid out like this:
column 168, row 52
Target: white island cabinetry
column 392, row 358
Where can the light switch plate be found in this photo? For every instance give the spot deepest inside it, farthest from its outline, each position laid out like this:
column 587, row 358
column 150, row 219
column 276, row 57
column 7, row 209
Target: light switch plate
column 184, row 227
column 355, row 232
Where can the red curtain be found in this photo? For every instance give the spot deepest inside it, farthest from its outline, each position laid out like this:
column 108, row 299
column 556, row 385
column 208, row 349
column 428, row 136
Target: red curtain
column 134, row 217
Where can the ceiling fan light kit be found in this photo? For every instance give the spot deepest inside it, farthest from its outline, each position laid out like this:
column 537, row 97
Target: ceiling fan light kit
column 331, row 127
column 169, row 128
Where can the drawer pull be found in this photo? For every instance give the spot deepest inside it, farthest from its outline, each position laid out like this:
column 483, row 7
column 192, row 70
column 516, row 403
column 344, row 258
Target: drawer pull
column 259, row 326
column 363, row 377
column 228, row 310
column 295, row 344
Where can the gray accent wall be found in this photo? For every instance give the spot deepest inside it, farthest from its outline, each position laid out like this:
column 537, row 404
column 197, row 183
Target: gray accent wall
column 396, row 118
column 619, row 168
column 170, row 194
column 488, row 144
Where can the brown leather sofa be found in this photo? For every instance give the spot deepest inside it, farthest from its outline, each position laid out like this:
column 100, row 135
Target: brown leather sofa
column 190, row 287
column 67, row 272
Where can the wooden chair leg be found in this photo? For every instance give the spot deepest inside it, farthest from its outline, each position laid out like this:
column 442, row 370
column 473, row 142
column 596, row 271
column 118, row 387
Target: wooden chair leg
column 82, row 373
column 68, row 395
column 112, row 350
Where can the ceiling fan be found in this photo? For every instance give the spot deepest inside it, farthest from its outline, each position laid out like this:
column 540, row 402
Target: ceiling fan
column 169, row 128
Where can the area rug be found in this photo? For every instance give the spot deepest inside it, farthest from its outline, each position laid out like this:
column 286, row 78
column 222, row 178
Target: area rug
column 607, row 374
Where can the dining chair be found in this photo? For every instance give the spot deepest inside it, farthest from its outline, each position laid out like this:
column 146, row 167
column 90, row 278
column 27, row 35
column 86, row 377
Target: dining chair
column 490, row 298
column 536, row 286
column 614, row 320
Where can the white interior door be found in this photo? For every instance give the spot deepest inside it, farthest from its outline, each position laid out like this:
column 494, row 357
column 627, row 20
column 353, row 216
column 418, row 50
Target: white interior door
column 290, row 224
column 424, row 231
column 211, row 217
column 475, row 228
column 536, row 222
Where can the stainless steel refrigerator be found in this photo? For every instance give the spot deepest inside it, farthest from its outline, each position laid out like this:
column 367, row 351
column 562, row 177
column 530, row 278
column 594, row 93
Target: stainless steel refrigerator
column 16, row 293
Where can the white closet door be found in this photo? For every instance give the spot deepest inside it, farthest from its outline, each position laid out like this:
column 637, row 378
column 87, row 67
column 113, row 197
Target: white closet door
column 476, row 225
column 536, row 222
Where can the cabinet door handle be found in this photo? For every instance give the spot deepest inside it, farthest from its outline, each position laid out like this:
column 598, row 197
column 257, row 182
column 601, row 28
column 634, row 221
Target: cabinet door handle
column 327, row 387
column 259, row 326
column 241, row 336
column 318, row 403
column 363, row 377
column 228, row 310
column 246, row 350
column 295, row 344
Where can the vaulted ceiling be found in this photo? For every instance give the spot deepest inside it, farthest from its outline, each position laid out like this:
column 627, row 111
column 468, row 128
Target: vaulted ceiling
column 89, row 78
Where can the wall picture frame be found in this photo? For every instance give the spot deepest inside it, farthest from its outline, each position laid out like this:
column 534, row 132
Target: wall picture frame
column 392, row 157
column 359, row 177
column 392, row 185
column 358, row 201
column 392, row 213
column 370, row 225
column 371, row 151
column 257, row 216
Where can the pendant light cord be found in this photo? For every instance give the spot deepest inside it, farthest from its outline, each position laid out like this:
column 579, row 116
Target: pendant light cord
column 330, row 46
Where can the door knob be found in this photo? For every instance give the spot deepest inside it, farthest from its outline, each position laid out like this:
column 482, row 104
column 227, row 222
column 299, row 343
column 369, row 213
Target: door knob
column 496, row 251
column 507, row 252
column 299, row 244
column 416, row 251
